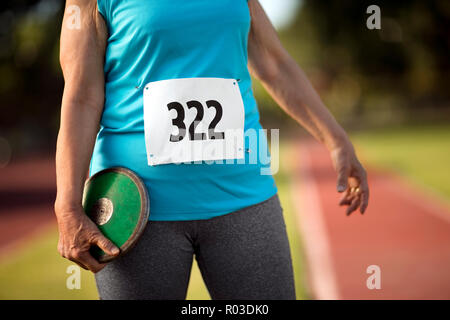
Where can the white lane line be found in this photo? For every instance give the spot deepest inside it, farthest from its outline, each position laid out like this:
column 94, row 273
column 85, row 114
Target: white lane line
column 310, row 221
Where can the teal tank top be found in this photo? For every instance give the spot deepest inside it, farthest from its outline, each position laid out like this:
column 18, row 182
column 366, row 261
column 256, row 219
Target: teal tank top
column 152, row 40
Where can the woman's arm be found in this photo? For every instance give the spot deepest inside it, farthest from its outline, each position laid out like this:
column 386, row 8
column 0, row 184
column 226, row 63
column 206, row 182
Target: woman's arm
column 287, row 84
column 82, row 58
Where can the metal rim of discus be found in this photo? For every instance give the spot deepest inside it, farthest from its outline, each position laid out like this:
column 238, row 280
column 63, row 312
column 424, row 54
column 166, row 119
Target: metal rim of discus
column 144, row 213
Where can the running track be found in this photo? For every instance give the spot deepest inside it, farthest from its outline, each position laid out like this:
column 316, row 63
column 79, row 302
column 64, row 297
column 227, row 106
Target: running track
column 27, row 193
column 404, row 232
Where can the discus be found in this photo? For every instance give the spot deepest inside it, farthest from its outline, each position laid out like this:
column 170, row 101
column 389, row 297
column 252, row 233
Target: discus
column 116, row 200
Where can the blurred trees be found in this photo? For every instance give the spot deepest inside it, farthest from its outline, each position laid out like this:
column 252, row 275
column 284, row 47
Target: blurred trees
column 365, row 76
column 399, row 73
column 30, row 79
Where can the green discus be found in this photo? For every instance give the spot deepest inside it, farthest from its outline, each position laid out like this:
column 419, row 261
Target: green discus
column 116, row 200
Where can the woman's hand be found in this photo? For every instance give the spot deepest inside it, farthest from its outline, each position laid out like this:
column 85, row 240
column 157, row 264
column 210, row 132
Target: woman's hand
column 77, row 233
column 352, row 178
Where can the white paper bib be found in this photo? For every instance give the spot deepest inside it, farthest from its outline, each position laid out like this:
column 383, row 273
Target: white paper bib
column 193, row 119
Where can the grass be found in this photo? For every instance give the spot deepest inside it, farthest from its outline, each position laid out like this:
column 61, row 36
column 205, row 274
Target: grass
column 421, row 154
column 283, row 183
column 37, row 272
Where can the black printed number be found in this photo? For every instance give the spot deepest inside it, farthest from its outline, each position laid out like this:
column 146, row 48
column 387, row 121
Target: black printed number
column 178, row 121
column 212, row 126
column 199, row 117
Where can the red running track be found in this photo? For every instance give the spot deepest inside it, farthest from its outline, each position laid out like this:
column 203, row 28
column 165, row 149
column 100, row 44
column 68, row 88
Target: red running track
column 27, row 194
column 404, row 232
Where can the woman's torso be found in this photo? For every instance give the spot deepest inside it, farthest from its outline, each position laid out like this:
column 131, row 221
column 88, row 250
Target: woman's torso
column 156, row 40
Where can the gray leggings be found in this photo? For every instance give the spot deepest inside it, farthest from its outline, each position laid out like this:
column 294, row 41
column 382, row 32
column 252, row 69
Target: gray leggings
column 241, row 255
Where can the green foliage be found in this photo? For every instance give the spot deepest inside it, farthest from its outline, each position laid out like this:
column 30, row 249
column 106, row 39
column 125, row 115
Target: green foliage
column 30, row 83
column 389, row 75
column 371, row 75
column 419, row 153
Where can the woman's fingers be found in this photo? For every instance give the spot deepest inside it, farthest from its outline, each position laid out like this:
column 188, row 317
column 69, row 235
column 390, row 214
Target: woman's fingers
column 350, row 198
column 363, row 188
column 343, row 175
column 353, row 205
column 105, row 244
column 364, row 200
column 77, row 234
column 346, row 199
column 86, row 261
column 90, row 262
column 357, row 194
column 75, row 255
column 80, row 264
column 352, row 179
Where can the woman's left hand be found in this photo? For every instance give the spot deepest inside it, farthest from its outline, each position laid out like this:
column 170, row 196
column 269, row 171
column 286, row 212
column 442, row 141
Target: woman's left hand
column 352, row 178
column 286, row 82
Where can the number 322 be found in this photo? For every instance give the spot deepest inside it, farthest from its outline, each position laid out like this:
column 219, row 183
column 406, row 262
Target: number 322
column 180, row 124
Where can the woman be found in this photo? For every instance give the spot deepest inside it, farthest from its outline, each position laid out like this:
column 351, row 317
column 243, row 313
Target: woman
column 226, row 214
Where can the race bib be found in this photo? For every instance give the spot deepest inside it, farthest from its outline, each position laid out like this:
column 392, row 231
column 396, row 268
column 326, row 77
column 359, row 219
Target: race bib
column 193, row 119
